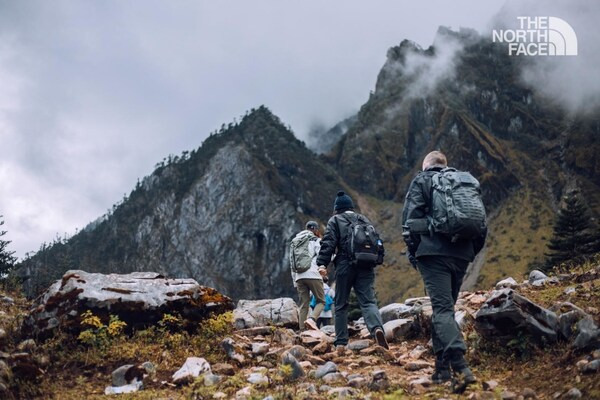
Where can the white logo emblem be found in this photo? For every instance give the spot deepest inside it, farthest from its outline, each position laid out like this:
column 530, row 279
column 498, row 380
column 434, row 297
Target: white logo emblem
column 538, row 36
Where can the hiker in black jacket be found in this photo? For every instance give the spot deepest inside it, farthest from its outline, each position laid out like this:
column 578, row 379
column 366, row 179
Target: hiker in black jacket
column 349, row 276
column 442, row 264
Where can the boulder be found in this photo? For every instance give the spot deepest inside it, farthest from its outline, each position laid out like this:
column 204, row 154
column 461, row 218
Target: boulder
column 140, row 299
column 253, row 313
column 191, row 369
column 506, row 313
column 398, row 329
column 395, row 311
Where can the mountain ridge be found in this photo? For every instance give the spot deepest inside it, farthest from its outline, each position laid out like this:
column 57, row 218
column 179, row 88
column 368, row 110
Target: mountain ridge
column 463, row 95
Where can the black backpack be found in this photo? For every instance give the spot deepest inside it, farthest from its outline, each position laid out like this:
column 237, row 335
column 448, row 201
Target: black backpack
column 362, row 242
column 457, row 210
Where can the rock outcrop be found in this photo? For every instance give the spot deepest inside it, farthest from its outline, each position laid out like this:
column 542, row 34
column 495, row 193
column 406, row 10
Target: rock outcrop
column 140, row 299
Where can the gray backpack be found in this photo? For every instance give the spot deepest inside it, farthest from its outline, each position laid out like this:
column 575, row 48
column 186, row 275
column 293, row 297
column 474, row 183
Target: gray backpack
column 456, row 206
column 300, row 258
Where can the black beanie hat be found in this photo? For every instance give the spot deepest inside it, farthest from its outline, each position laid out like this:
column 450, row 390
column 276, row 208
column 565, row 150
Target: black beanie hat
column 342, row 201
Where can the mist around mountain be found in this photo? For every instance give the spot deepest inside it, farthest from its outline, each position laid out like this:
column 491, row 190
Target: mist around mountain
column 224, row 213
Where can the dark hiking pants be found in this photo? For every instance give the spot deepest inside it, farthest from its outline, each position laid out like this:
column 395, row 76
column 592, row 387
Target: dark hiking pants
column 443, row 277
column 362, row 280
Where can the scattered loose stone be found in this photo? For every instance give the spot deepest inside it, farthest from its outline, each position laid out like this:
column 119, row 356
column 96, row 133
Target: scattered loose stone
column 358, row 382
column 506, row 283
column 229, row 346
column 223, row 369
column 424, row 381
column 333, row 377
column 379, row 381
column 27, row 346
column 257, row 378
column 573, row 393
column 591, row 367
column 192, row 368
column 358, row 345
column 322, row 348
column 529, row 393
column 507, row 395
column 131, row 388
column 323, row 370
column 341, row 392
column 297, row 370
column 260, row 348
column 417, row 352
column 417, row 365
column 490, row 385
column 244, row 394
column 211, row 379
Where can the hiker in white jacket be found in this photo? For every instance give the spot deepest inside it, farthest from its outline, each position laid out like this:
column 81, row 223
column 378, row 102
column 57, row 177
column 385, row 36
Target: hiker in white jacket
column 309, row 280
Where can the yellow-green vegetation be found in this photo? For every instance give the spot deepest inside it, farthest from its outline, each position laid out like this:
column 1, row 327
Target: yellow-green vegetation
column 81, row 370
column 517, row 238
column 98, row 334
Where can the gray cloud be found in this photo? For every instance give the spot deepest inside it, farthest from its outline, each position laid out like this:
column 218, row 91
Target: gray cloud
column 95, row 93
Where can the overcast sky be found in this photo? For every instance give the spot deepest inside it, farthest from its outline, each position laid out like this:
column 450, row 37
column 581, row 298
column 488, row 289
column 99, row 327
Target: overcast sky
column 94, row 93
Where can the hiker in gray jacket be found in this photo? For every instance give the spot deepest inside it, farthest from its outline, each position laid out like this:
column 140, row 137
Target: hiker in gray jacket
column 309, row 280
column 442, row 263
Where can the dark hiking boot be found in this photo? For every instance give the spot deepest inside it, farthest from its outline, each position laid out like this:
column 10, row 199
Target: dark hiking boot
column 462, row 379
column 441, row 375
column 442, row 370
column 380, row 337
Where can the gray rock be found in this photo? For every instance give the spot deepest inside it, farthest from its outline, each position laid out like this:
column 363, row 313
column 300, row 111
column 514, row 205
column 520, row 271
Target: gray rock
column 119, row 375
column 506, row 313
column 298, row 351
column 573, row 393
column 27, row 346
column 328, row 368
column 567, row 322
column 529, row 393
column 257, row 378
column 506, row 283
column 357, row 345
column 358, row 382
column 3, row 337
column 342, row 392
column 297, row 370
column 333, row 378
column 377, row 385
column 328, row 329
column 254, row 313
column 130, row 388
column 508, row 395
column 537, row 275
column 140, row 299
column 260, row 348
column 211, row 379
column 7, row 300
column 591, row 367
column 588, row 335
column 398, row 329
column 230, row 349
column 191, row 369
column 395, row 311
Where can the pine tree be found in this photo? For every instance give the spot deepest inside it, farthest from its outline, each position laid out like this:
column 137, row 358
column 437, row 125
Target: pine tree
column 575, row 234
column 7, row 260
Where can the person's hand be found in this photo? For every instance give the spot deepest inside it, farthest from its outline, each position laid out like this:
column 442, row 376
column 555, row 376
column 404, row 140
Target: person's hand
column 413, row 260
column 322, row 270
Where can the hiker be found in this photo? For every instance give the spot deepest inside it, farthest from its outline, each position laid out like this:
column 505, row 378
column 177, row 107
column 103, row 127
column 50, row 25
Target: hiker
column 349, row 274
column 442, row 261
column 305, row 274
column 325, row 317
